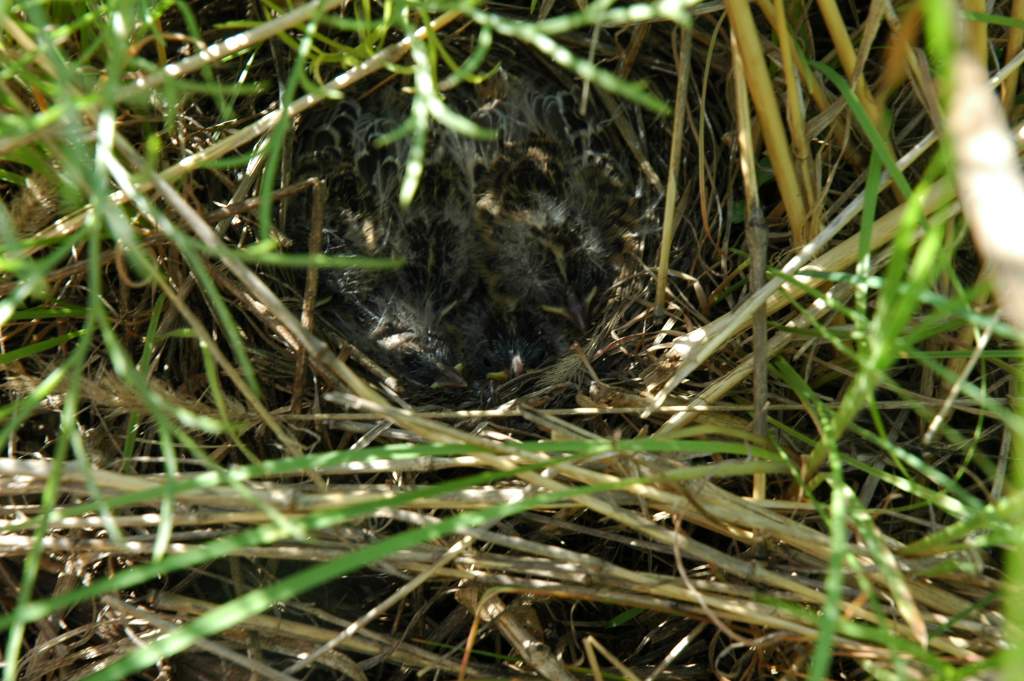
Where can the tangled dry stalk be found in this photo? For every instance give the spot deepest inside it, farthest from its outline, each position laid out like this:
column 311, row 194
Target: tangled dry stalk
column 739, row 473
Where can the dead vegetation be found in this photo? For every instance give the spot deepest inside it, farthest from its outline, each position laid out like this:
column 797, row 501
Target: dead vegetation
column 780, row 449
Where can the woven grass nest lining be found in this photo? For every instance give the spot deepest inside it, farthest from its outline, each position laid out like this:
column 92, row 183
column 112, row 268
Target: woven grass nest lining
column 513, row 250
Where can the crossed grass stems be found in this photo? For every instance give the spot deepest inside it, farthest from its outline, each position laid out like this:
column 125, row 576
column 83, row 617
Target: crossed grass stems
column 923, row 621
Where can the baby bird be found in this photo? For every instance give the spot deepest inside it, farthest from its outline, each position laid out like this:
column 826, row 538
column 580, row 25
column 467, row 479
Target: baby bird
column 508, row 245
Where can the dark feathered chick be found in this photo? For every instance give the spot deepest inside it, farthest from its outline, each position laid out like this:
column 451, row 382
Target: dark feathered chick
column 506, row 245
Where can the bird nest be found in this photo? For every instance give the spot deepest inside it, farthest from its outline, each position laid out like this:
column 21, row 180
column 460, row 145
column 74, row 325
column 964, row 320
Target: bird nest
column 513, row 261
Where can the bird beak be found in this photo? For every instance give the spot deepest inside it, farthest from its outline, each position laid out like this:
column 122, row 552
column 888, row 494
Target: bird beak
column 578, row 311
column 573, row 312
column 516, row 368
column 448, row 378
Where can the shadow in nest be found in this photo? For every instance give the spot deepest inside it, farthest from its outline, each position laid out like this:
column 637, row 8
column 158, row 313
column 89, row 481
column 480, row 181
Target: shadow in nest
column 511, row 248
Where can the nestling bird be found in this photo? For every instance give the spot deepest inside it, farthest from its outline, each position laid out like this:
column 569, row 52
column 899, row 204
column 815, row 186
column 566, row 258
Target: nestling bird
column 508, row 245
